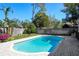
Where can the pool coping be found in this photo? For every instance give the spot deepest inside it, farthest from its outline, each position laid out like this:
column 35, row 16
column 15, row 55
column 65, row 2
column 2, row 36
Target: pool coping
column 24, row 53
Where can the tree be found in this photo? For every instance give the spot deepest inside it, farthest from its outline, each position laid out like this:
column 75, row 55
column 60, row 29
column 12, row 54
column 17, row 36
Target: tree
column 11, row 24
column 30, row 28
column 41, row 20
column 72, row 11
column 6, row 22
column 42, row 7
column 33, row 28
column 25, row 23
column 33, row 10
column 35, row 6
column 6, row 10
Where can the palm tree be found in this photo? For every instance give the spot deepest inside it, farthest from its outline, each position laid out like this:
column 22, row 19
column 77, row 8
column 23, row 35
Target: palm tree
column 6, row 10
column 33, row 10
column 12, row 23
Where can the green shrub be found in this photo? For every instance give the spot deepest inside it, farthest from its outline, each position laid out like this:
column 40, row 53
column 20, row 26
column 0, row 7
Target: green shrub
column 10, row 39
column 33, row 28
column 27, row 31
column 30, row 29
column 20, row 36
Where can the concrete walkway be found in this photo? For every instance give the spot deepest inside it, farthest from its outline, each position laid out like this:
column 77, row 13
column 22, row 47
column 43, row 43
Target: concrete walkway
column 68, row 47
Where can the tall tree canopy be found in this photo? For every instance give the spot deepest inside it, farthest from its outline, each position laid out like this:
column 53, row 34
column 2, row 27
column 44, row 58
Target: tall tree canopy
column 41, row 20
column 41, row 7
column 6, row 11
column 72, row 11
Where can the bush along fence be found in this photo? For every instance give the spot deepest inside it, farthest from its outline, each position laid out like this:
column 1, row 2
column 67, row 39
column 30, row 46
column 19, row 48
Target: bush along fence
column 4, row 37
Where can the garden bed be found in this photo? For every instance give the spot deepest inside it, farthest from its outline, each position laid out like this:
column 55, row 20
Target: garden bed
column 19, row 37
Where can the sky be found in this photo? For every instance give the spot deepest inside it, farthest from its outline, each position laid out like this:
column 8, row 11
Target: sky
column 23, row 11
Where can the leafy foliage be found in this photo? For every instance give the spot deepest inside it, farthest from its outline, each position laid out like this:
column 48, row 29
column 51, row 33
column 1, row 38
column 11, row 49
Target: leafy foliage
column 30, row 28
column 42, row 7
column 4, row 37
column 72, row 11
column 1, row 23
column 25, row 23
column 41, row 20
column 19, row 37
column 54, row 23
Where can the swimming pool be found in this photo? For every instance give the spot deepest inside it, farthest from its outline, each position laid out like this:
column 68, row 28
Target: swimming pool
column 38, row 44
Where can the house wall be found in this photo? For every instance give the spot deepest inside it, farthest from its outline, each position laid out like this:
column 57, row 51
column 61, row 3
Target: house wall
column 17, row 31
column 3, row 29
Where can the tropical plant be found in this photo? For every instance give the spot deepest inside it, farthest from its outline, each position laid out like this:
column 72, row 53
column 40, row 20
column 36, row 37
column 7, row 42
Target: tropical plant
column 6, row 10
column 11, row 24
column 4, row 37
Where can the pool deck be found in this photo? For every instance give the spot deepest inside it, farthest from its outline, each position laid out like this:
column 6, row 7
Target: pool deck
column 68, row 47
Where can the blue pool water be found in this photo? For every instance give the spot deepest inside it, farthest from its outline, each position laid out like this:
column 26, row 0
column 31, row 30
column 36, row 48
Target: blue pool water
column 38, row 44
